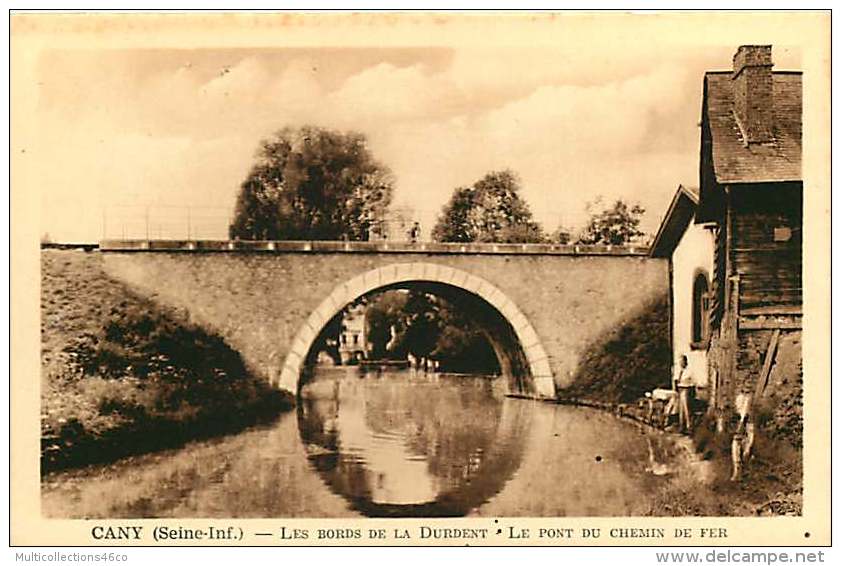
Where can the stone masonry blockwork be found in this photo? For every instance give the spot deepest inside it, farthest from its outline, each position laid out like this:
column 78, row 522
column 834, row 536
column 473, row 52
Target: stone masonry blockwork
column 261, row 302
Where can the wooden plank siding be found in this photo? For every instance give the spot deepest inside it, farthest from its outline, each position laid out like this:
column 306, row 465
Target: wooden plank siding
column 770, row 267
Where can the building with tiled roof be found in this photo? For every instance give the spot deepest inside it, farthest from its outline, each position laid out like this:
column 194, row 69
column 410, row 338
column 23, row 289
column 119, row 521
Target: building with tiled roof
column 735, row 243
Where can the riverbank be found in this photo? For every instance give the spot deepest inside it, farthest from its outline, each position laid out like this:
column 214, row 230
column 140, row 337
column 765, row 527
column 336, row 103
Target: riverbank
column 122, row 375
column 771, row 485
column 700, row 484
column 615, row 375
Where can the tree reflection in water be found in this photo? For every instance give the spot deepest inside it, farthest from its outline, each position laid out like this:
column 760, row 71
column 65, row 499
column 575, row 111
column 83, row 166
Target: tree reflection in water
column 412, row 444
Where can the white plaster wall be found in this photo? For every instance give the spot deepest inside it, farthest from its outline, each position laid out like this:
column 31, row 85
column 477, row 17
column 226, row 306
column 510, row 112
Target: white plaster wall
column 695, row 251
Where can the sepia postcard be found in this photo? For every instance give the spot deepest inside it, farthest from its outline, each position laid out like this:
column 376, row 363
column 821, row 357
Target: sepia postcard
column 420, row 278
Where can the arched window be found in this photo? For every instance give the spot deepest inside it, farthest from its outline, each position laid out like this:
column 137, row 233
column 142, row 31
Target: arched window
column 700, row 307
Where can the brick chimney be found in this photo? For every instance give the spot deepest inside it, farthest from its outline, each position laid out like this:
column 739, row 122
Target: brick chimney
column 753, row 93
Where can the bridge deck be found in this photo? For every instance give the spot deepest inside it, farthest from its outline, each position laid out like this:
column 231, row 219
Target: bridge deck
column 379, row 247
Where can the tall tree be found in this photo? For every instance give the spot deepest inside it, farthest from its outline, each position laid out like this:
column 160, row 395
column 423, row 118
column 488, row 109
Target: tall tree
column 491, row 210
column 312, row 184
column 615, row 225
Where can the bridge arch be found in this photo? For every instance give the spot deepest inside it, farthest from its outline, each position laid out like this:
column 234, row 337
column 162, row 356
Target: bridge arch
column 538, row 380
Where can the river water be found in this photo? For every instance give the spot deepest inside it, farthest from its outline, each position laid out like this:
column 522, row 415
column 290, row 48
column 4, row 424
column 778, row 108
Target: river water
column 386, row 444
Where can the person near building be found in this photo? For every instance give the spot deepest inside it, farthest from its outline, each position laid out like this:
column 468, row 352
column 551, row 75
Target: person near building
column 684, row 384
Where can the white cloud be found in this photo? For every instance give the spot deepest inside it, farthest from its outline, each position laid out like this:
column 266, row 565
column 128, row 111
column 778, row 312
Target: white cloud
column 386, row 93
column 572, row 132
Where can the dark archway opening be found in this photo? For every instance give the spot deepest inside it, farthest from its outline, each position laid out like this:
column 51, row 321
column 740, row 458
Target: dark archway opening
column 441, row 327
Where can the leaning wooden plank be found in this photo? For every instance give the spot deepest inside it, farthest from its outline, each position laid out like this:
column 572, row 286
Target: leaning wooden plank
column 766, row 367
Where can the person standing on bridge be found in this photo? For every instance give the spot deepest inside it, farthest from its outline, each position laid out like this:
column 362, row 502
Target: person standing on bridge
column 414, row 232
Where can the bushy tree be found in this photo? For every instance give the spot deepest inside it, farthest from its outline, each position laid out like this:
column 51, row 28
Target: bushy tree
column 413, row 315
column 312, row 184
column 615, row 225
column 422, row 324
column 383, row 312
column 427, row 326
column 462, row 346
column 491, row 210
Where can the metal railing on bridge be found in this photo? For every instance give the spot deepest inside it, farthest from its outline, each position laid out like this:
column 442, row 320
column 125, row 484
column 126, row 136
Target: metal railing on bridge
column 165, row 222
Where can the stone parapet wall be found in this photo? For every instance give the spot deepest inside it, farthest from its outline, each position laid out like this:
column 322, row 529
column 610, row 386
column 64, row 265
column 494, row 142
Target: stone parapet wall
column 287, row 246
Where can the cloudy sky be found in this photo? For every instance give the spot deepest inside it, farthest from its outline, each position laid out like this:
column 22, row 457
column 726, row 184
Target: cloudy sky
column 174, row 128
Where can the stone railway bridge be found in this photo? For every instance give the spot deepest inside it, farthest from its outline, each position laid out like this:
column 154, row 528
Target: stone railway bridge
column 541, row 306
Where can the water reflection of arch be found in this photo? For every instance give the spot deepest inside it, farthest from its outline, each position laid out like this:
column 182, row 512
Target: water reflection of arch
column 469, row 459
column 521, row 355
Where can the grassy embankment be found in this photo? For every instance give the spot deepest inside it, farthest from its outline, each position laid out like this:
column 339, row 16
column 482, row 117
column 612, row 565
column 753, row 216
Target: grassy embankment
column 122, row 375
column 616, row 373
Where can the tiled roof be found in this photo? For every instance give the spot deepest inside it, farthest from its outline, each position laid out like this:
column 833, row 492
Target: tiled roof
column 736, row 162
